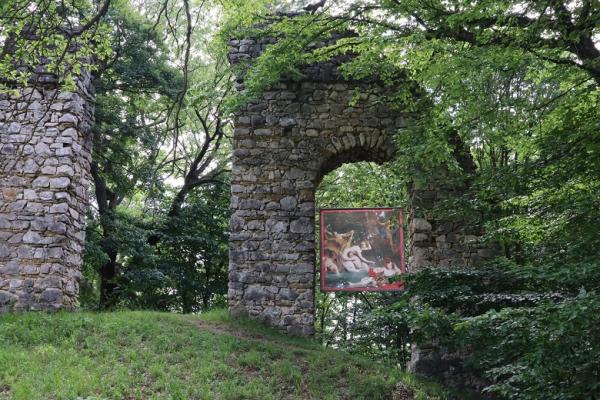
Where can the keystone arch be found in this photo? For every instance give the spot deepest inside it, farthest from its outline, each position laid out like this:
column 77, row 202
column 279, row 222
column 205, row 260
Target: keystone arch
column 283, row 145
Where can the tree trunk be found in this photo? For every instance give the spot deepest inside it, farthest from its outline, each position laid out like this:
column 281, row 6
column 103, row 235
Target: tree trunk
column 108, row 273
column 107, row 202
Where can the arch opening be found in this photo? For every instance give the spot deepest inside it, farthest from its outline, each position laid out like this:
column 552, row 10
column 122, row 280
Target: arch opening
column 354, row 155
column 363, row 184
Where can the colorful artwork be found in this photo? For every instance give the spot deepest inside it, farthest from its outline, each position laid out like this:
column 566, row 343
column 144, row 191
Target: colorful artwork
column 362, row 249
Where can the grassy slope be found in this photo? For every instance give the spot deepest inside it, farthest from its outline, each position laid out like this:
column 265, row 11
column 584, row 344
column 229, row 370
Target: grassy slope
column 147, row 355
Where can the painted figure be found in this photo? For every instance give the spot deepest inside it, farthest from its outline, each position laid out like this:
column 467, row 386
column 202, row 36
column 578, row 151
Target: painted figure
column 390, row 268
column 331, row 266
column 386, row 231
column 364, row 282
column 353, row 260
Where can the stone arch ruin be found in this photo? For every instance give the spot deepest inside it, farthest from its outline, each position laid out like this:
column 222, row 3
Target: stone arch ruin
column 284, row 143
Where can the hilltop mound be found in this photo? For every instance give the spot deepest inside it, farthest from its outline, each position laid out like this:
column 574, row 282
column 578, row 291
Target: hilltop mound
column 150, row 355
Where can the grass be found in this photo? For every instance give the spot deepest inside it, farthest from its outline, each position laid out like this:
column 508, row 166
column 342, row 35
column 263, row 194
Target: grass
column 150, row 355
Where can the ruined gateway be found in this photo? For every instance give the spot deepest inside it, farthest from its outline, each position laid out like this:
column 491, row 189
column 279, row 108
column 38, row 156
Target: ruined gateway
column 284, row 143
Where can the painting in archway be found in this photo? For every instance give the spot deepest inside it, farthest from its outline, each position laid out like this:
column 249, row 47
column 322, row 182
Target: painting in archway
column 362, row 249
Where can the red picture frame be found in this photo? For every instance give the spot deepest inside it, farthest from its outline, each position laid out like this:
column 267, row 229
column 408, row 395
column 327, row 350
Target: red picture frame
column 362, row 249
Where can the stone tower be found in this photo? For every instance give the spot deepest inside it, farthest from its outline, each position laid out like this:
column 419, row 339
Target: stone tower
column 45, row 145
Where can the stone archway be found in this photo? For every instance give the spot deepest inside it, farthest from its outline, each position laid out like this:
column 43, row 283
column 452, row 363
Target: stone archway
column 284, row 143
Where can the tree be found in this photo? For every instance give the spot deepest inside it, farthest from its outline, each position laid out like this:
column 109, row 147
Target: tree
column 153, row 124
column 63, row 38
column 130, row 126
column 506, row 100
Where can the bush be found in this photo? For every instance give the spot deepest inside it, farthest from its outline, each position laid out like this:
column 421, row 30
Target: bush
column 551, row 351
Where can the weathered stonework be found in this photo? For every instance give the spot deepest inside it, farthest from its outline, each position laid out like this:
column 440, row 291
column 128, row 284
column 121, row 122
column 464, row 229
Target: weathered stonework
column 448, row 367
column 441, row 243
column 45, row 146
column 284, row 143
column 435, row 242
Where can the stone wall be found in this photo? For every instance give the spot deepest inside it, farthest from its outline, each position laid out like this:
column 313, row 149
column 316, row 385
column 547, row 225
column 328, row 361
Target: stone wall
column 440, row 243
column 283, row 144
column 436, row 242
column 45, row 146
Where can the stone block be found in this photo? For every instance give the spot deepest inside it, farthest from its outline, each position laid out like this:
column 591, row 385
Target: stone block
column 51, row 295
column 421, row 225
column 302, row 225
column 59, row 183
column 420, row 237
column 288, row 203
